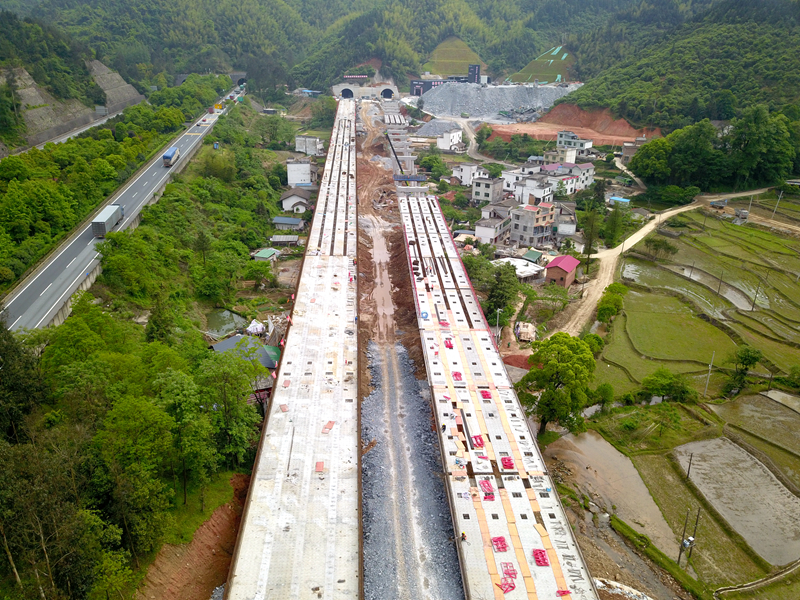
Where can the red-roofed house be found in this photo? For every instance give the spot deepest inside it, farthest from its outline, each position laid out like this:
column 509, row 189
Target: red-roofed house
column 562, row 269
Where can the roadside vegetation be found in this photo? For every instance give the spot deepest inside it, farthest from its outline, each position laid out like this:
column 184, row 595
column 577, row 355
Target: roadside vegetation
column 116, row 436
column 45, row 194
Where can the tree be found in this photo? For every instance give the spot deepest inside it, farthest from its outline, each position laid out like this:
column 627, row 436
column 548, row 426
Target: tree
column 224, row 381
column 135, row 443
column 494, row 170
column 672, row 386
column 161, row 321
column 561, row 191
column 652, row 161
column 590, row 232
column 21, row 384
column 615, row 224
column 553, row 296
column 504, row 290
column 555, row 387
column 260, row 272
column 192, row 434
column 743, row 359
column 202, row 244
column 599, row 190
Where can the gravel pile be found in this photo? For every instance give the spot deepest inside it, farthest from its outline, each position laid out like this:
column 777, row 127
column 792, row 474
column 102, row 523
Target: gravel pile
column 416, row 558
column 436, row 127
column 452, row 99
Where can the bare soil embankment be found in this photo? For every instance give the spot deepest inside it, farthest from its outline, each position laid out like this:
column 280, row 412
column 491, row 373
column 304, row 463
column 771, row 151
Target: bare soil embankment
column 597, row 125
column 192, row 571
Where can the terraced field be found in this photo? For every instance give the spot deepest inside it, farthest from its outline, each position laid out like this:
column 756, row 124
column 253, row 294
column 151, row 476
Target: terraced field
column 725, row 286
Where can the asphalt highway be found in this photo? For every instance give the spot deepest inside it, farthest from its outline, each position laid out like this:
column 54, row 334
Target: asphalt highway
column 39, row 297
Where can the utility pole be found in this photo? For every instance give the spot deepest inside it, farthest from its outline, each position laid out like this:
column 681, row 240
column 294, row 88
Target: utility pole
column 498, row 325
column 691, row 270
column 711, row 364
column 683, row 536
column 758, row 288
column 692, row 539
column 776, row 205
column 720, row 281
column 689, row 470
column 750, row 205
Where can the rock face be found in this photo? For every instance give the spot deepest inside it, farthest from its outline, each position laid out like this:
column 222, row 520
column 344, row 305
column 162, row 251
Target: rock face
column 118, row 93
column 41, row 111
column 46, row 118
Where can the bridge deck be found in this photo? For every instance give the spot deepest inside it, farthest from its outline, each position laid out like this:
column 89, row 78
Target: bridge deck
column 502, row 497
column 300, row 532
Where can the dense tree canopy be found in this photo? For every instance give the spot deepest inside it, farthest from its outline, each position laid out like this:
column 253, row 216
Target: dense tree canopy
column 759, row 148
column 555, row 389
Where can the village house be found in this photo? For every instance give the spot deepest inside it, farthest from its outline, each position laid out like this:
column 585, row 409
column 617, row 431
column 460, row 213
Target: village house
column 267, row 255
column 308, row 144
column 485, row 189
column 495, row 222
column 532, row 225
column 301, row 172
column 464, row 173
column 630, row 148
column 296, row 200
column 288, row 223
column 562, row 270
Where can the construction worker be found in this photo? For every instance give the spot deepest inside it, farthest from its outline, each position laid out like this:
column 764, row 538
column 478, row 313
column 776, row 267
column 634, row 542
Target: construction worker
column 463, row 537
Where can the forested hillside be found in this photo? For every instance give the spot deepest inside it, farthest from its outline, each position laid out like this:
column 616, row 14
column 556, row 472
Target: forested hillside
column 311, row 42
column 55, row 61
column 734, row 55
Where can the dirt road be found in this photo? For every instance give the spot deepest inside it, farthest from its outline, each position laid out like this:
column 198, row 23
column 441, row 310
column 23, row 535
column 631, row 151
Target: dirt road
column 406, row 556
column 608, row 266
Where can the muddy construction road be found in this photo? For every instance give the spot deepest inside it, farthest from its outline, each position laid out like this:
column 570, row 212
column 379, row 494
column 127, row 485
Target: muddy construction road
column 408, row 545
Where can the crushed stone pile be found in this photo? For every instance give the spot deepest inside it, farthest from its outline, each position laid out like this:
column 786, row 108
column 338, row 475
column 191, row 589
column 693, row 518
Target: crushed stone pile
column 436, row 127
column 453, row 99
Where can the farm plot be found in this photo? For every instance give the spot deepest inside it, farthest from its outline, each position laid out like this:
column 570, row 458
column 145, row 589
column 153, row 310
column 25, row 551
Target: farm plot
column 662, row 327
column 765, row 418
column 719, row 559
column 749, row 497
column 647, row 274
column 620, row 350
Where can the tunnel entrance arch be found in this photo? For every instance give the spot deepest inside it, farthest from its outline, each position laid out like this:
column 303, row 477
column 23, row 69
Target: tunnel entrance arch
column 347, row 93
column 387, row 93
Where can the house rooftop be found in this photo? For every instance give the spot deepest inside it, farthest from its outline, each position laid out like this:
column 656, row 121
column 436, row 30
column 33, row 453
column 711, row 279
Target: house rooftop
column 268, row 356
column 565, row 262
column 266, row 253
column 305, row 194
column 286, row 221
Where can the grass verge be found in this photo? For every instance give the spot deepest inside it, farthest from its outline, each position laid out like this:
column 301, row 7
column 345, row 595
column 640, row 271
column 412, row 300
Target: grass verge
column 189, row 517
column 642, row 542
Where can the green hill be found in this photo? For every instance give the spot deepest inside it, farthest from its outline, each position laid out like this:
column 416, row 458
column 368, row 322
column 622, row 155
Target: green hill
column 56, row 63
column 731, row 56
column 553, row 65
column 452, row 57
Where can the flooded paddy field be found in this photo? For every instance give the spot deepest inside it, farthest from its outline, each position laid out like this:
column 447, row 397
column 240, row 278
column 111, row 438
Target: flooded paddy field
column 748, row 496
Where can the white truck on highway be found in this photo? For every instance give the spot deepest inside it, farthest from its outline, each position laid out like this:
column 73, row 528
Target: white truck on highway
column 171, row 156
column 108, row 218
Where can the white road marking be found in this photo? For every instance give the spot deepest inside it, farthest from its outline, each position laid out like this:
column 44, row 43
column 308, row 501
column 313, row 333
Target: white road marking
column 66, row 247
column 56, row 303
column 70, row 262
column 15, row 322
column 45, row 289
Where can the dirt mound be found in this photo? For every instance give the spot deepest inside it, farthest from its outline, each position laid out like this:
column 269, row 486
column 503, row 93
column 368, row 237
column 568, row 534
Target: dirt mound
column 517, row 360
column 598, row 125
column 192, row 571
column 601, row 121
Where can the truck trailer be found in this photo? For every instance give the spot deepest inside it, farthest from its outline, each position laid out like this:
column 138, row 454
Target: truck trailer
column 108, row 218
column 171, row 156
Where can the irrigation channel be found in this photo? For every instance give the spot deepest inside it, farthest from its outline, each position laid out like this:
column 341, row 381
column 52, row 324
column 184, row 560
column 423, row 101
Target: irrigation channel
column 408, row 542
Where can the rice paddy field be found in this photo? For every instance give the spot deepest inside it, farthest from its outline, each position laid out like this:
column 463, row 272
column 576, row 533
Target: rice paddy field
column 452, row 57
column 726, row 285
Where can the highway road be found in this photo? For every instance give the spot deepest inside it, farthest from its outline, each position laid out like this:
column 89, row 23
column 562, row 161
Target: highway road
column 38, row 298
